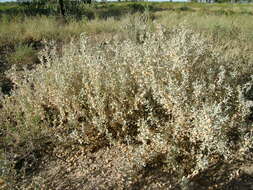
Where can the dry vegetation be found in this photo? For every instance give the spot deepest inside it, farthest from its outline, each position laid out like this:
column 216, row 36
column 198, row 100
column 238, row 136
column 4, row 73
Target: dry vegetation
column 152, row 101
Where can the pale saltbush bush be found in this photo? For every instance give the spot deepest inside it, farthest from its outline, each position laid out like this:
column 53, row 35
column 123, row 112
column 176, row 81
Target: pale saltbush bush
column 171, row 94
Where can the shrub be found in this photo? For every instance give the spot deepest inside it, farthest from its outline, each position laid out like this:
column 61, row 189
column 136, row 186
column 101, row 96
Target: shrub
column 173, row 97
column 185, row 8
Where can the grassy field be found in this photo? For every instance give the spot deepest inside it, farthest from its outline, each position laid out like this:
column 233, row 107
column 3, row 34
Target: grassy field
column 126, row 96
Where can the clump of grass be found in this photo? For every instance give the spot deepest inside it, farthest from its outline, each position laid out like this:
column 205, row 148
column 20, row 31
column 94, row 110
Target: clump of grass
column 170, row 95
column 23, row 56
